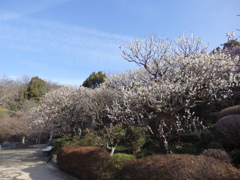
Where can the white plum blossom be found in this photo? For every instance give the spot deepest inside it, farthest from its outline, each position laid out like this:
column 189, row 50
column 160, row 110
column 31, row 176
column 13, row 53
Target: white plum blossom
column 173, row 76
column 57, row 110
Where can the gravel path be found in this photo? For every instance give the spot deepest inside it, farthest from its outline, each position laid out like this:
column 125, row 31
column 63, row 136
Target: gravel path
column 28, row 164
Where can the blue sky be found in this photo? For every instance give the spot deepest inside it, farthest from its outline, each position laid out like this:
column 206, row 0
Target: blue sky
column 66, row 40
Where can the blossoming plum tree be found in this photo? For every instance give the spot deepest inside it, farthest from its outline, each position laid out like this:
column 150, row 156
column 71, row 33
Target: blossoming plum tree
column 173, row 77
column 73, row 109
column 59, row 111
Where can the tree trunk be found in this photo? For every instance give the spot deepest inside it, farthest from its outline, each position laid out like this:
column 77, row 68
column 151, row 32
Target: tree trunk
column 163, row 144
column 23, row 140
column 73, row 130
column 193, row 125
column 39, row 139
column 112, row 148
column 111, row 127
column 78, row 130
column 50, row 136
column 157, row 126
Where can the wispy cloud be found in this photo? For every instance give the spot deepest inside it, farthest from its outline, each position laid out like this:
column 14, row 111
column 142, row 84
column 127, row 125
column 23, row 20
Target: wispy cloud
column 21, row 8
column 52, row 46
column 50, row 37
column 4, row 16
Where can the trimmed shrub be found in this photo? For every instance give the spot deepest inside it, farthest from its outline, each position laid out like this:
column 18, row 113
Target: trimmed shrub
column 150, row 147
column 178, row 167
column 113, row 164
column 135, row 138
column 186, row 138
column 219, row 137
column 83, row 162
column 65, row 150
column 229, row 126
column 91, row 139
column 229, row 111
column 218, row 154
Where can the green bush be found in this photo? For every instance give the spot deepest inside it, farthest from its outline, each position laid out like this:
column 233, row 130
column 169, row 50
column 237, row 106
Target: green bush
column 36, row 89
column 206, row 137
column 146, row 152
column 113, row 164
column 121, row 148
column 64, row 141
column 13, row 106
column 150, row 143
column 187, row 148
column 189, row 138
column 91, row 139
column 214, row 145
column 135, row 138
column 235, row 154
column 150, row 147
column 186, row 143
column 83, row 162
column 178, row 167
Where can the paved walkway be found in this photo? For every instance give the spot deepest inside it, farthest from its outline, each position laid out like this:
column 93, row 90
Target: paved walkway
column 28, row 164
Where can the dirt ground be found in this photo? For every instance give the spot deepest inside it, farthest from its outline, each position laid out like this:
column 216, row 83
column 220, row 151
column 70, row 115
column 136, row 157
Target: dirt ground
column 28, row 164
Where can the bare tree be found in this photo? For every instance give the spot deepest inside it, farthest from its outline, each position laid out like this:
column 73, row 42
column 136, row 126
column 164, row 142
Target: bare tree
column 8, row 89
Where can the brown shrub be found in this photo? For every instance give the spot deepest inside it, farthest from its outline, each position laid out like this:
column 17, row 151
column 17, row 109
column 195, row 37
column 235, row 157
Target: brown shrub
column 229, row 111
column 218, row 154
column 179, row 167
column 229, row 126
column 83, row 162
column 66, row 149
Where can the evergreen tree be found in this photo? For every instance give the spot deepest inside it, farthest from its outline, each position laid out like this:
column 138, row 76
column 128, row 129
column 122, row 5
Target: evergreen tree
column 94, row 80
column 36, row 89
